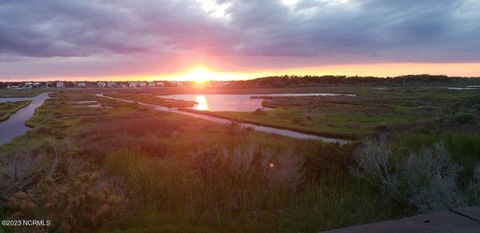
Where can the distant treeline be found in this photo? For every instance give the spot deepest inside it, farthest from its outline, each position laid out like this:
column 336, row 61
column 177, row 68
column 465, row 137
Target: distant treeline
column 327, row 80
column 331, row 80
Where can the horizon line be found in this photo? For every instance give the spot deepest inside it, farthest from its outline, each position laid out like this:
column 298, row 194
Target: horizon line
column 236, row 80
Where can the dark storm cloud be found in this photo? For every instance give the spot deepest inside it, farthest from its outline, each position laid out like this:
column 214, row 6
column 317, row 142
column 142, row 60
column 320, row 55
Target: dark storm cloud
column 327, row 30
column 393, row 30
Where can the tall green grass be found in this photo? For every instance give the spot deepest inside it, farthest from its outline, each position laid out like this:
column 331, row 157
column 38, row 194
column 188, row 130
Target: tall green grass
column 237, row 189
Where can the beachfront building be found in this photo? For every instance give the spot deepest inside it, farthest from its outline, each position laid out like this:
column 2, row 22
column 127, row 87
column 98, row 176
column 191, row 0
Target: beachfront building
column 82, row 84
column 111, row 84
column 101, row 84
column 60, row 85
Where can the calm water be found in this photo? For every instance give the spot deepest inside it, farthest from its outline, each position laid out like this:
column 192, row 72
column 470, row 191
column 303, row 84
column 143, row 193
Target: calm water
column 233, row 102
column 15, row 125
column 272, row 130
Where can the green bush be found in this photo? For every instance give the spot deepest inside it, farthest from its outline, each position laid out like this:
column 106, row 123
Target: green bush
column 84, row 205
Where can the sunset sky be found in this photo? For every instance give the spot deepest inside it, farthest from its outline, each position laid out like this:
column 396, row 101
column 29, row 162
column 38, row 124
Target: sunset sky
column 236, row 39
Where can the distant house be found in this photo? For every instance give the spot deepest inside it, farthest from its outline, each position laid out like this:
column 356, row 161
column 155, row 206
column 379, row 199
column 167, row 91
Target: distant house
column 82, row 84
column 160, row 84
column 60, row 85
column 15, row 87
column 152, row 84
column 137, row 84
column 101, row 84
column 111, row 84
column 36, row 85
column 176, row 84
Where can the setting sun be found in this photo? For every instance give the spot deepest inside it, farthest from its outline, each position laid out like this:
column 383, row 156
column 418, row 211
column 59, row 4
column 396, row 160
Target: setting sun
column 199, row 74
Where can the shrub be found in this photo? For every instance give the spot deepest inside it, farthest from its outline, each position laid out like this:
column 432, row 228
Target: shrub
column 260, row 112
column 473, row 189
column 463, row 119
column 431, row 180
column 235, row 128
column 374, row 165
column 84, row 205
column 425, row 180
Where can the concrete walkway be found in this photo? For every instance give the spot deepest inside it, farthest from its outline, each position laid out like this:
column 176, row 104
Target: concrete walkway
column 466, row 220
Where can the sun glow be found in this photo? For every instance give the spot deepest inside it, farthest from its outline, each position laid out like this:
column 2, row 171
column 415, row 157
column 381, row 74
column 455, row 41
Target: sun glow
column 199, row 74
column 202, row 74
column 202, row 104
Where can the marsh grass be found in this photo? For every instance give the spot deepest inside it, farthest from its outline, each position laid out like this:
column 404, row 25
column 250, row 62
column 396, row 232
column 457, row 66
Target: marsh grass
column 20, row 93
column 187, row 175
column 243, row 188
column 9, row 108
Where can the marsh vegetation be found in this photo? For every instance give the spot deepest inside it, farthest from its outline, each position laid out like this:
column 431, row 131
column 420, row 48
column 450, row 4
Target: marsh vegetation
column 9, row 108
column 133, row 169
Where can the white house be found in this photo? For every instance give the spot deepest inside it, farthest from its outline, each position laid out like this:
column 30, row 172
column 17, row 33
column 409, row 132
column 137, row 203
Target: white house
column 15, row 87
column 60, row 85
column 152, row 84
column 142, row 84
column 160, row 84
column 82, row 84
column 101, row 84
column 111, row 84
column 133, row 84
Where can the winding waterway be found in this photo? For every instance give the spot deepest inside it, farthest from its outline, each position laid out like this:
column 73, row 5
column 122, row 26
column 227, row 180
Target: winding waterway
column 15, row 125
column 272, row 130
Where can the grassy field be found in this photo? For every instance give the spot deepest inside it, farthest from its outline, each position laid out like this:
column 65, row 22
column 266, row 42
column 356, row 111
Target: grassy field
column 168, row 166
column 110, row 166
column 20, row 93
column 9, row 108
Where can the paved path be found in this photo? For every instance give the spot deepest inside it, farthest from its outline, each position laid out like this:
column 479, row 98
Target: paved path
column 466, row 220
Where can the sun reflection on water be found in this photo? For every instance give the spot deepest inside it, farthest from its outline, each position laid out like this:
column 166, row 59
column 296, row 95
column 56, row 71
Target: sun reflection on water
column 202, row 103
